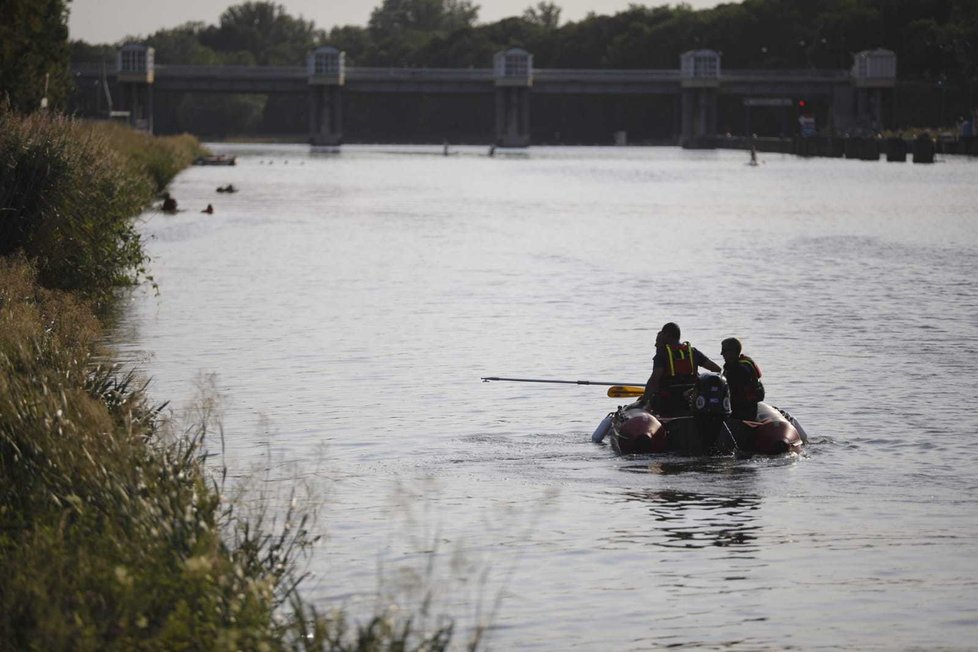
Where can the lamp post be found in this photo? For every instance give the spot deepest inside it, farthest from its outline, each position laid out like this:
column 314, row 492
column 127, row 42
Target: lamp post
column 942, row 85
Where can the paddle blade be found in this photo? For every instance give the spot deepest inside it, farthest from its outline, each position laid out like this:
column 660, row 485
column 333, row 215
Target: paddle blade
column 625, row 391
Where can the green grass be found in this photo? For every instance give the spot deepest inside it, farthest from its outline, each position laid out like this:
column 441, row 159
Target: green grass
column 69, row 191
column 113, row 533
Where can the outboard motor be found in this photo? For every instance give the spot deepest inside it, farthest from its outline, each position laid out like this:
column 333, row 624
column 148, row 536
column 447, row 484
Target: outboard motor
column 710, row 403
column 711, row 396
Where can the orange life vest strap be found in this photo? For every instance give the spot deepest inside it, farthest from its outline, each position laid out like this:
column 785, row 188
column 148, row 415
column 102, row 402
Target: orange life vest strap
column 750, row 364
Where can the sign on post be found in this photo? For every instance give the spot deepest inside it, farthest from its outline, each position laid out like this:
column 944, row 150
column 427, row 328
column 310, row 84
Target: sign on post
column 807, row 124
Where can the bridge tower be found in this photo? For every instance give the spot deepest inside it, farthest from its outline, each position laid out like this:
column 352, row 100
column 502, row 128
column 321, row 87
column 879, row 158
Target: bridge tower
column 135, row 75
column 873, row 78
column 513, row 73
column 699, row 73
column 326, row 70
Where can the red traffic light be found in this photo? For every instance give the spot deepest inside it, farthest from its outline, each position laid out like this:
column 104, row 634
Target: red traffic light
column 802, row 104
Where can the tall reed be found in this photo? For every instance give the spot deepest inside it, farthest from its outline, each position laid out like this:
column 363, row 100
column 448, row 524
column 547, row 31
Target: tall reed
column 113, row 533
column 69, row 191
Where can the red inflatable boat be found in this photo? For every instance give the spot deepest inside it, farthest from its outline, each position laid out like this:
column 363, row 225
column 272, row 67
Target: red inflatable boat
column 706, row 430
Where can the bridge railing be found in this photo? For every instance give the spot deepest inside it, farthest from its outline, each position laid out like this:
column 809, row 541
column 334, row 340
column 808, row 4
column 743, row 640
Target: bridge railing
column 231, row 72
column 467, row 74
column 805, row 74
column 442, row 74
column 598, row 75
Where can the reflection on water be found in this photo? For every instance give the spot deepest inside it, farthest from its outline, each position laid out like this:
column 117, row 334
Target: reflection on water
column 659, row 465
column 689, row 520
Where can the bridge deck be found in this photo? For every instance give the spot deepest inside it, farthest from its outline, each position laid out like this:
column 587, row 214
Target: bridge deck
column 293, row 79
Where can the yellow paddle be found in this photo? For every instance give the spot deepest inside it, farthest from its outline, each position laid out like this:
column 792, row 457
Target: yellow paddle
column 625, row 391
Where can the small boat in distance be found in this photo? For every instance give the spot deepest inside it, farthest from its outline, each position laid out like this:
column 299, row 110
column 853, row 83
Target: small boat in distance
column 217, row 159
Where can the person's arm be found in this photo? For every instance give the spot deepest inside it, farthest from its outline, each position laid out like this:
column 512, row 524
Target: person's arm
column 702, row 361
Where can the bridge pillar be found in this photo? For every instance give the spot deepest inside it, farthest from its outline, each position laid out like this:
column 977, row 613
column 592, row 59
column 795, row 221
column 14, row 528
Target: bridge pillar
column 513, row 71
column 699, row 72
column 135, row 75
column 699, row 117
column 873, row 78
column 326, row 69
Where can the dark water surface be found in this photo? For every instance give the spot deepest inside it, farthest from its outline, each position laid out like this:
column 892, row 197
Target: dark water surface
column 347, row 305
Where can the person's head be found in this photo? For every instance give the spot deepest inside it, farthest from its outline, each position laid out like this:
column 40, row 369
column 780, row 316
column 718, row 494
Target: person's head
column 668, row 334
column 730, row 349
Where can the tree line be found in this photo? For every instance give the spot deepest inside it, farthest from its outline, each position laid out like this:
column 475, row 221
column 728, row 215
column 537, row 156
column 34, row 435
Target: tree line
column 936, row 42
column 934, row 39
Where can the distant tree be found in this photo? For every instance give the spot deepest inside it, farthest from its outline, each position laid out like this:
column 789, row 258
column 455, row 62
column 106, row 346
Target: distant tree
column 463, row 48
column 354, row 41
column 34, row 55
column 394, row 17
column 518, row 32
column 544, row 14
column 459, row 14
column 265, row 31
column 182, row 45
column 85, row 52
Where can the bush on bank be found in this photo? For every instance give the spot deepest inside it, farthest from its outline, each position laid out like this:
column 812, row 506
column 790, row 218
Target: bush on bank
column 113, row 536
column 110, row 533
column 69, row 191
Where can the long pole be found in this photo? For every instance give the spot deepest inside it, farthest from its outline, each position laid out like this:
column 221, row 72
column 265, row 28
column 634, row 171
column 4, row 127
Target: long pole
column 561, row 382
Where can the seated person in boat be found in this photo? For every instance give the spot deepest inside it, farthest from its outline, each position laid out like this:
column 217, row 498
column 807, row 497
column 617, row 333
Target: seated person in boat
column 674, row 372
column 744, row 378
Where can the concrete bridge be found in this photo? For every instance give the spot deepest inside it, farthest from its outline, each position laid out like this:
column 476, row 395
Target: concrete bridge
column 839, row 100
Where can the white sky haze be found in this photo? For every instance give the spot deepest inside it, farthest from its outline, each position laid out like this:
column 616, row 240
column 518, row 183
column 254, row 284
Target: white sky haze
column 110, row 21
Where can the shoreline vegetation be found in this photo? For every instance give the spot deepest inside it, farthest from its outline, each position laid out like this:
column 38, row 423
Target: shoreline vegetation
column 114, row 532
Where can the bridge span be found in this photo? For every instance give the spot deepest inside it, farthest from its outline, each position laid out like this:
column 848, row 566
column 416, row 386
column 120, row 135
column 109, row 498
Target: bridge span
column 684, row 102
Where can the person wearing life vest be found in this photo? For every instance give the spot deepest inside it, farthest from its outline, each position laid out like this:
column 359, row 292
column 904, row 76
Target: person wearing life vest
column 744, row 379
column 674, row 372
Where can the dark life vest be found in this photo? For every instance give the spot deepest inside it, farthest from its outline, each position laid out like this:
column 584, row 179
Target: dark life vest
column 680, row 366
column 753, row 390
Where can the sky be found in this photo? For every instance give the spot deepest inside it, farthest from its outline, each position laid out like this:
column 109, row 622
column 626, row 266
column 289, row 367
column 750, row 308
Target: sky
column 110, row 21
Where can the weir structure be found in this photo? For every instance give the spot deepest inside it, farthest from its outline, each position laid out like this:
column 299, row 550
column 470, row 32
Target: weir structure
column 135, row 74
column 688, row 101
column 326, row 73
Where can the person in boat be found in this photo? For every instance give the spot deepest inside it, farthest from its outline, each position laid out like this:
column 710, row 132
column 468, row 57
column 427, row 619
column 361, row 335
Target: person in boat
column 674, row 372
column 209, row 210
column 744, row 379
column 169, row 203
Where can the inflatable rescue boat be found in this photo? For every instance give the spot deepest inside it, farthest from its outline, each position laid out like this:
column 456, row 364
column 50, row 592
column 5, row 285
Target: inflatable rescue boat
column 708, row 429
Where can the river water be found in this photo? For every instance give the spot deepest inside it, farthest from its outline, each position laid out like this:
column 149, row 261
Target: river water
column 346, row 305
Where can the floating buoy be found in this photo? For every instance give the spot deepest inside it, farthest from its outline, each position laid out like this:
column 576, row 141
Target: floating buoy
column 602, row 430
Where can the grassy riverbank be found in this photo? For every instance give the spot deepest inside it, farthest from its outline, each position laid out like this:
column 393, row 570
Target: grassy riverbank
column 113, row 535
column 69, row 191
